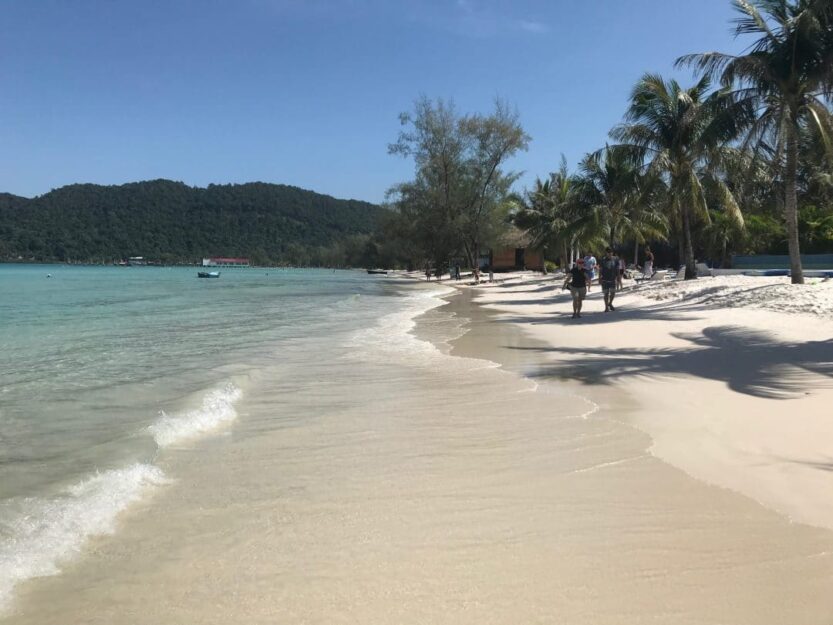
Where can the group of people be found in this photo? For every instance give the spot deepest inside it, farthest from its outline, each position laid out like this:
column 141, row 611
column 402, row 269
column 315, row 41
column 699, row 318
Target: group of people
column 454, row 272
column 611, row 271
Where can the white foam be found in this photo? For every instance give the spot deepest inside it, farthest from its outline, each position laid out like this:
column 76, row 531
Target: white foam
column 392, row 336
column 41, row 534
column 217, row 409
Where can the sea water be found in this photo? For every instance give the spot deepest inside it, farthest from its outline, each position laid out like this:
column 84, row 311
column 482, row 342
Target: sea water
column 102, row 368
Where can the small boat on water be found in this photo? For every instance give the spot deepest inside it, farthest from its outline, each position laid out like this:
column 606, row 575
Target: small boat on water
column 208, row 274
column 381, row 271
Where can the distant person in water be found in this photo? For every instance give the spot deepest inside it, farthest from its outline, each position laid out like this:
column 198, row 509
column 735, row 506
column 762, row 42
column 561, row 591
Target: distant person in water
column 648, row 267
column 608, row 270
column 577, row 283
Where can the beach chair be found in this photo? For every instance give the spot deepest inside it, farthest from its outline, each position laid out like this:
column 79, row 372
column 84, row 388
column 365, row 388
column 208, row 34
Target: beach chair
column 662, row 274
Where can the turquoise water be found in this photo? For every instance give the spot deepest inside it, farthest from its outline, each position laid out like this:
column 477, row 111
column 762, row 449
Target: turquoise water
column 103, row 368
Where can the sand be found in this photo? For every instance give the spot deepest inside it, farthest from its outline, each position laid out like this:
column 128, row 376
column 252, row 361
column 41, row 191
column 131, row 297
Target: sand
column 733, row 375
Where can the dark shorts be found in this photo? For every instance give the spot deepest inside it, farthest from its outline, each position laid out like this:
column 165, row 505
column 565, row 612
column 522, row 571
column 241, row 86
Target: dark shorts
column 608, row 286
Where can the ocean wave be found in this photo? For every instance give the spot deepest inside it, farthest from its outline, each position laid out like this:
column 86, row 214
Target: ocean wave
column 217, row 409
column 37, row 535
column 392, row 336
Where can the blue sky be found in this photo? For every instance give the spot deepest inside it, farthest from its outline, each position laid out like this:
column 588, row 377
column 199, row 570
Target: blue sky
column 309, row 93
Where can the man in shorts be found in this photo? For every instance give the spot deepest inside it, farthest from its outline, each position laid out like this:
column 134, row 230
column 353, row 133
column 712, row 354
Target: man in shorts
column 577, row 283
column 609, row 270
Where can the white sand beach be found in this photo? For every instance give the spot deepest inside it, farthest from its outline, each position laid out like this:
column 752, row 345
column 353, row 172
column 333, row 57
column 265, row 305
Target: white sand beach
column 733, row 375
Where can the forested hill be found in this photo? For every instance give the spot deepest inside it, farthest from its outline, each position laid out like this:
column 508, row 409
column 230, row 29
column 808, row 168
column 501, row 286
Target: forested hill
column 172, row 222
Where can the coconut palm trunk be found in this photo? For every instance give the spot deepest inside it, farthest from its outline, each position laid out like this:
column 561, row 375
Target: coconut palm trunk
column 688, row 248
column 791, row 206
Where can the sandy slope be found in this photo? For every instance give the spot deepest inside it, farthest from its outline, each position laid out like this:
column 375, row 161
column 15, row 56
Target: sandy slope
column 734, row 375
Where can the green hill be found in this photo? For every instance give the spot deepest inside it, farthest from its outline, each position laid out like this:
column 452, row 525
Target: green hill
column 172, row 222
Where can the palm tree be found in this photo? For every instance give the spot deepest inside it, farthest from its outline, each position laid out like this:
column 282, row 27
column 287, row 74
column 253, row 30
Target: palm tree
column 621, row 195
column 721, row 234
column 680, row 133
column 554, row 218
column 784, row 76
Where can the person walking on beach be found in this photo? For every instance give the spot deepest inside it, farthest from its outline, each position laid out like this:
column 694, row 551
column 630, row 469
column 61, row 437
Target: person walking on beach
column 609, row 269
column 577, row 283
column 590, row 269
column 620, row 275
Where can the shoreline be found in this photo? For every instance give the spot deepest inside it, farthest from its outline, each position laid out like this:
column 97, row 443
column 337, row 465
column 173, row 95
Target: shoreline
column 735, row 397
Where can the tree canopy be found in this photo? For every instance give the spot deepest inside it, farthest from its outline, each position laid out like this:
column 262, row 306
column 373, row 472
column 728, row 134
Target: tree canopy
column 457, row 201
column 173, row 222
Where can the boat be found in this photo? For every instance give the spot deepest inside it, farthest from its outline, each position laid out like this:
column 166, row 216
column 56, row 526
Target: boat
column 208, row 274
column 381, row 271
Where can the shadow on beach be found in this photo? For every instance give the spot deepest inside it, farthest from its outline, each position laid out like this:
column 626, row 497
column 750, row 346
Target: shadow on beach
column 593, row 313
column 813, row 464
column 748, row 361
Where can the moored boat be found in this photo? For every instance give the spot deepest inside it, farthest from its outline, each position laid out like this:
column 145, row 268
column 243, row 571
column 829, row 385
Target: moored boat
column 208, row 274
column 381, row 271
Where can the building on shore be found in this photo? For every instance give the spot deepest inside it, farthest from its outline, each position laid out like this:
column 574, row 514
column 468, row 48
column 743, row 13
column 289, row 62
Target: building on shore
column 221, row 261
column 512, row 253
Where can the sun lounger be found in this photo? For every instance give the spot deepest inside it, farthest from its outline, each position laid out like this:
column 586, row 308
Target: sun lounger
column 662, row 274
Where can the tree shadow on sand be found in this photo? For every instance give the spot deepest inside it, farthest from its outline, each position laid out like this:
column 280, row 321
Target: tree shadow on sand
column 748, row 361
column 593, row 315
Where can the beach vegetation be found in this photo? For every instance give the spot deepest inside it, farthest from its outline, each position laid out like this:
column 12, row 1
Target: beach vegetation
column 681, row 133
column 171, row 222
column 457, row 202
column 784, row 77
column 626, row 201
column 551, row 217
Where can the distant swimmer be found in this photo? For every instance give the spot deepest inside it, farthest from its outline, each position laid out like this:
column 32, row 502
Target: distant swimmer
column 49, row 275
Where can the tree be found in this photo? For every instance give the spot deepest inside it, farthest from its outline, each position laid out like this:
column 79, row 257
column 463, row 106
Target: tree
column 622, row 196
column 680, row 132
column 459, row 189
column 784, row 76
column 555, row 217
column 172, row 222
column 543, row 213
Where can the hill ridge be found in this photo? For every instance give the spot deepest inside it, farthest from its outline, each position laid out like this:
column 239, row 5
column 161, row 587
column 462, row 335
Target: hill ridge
column 173, row 222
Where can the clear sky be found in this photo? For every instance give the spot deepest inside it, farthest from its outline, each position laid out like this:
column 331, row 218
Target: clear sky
column 308, row 92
